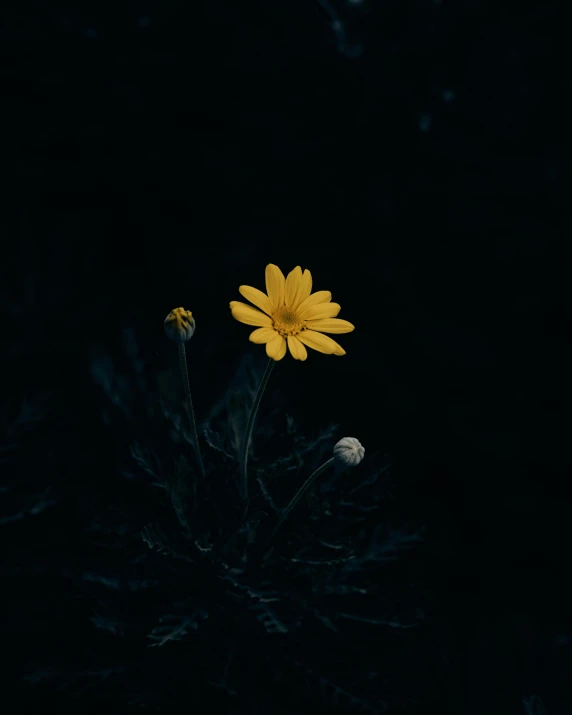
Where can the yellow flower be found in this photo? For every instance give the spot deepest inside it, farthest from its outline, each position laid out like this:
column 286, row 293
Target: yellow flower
column 293, row 316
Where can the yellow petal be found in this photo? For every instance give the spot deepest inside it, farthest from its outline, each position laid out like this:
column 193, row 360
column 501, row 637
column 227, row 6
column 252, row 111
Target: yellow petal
column 260, row 299
column 275, row 284
column 262, row 335
column 293, row 281
column 297, row 350
column 321, row 343
column 321, row 296
column 324, row 310
column 331, row 325
column 305, row 288
column 249, row 315
column 276, row 348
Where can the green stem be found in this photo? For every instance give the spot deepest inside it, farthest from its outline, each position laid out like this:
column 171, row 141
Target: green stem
column 185, row 374
column 300, row 493
column 248, row 434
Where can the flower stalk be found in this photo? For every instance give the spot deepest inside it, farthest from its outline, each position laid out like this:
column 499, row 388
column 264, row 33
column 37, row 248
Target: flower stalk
column 300, row 493
column 248, row 434
column 180, row 327
column 194, row 436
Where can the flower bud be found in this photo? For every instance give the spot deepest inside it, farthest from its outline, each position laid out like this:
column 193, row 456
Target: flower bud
column 348, row 452
column 180, row 325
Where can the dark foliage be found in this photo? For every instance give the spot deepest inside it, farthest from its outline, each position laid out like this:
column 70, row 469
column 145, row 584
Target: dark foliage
column 213, row 578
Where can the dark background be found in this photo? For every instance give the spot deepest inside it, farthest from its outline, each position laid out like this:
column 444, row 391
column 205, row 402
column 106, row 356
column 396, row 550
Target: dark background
column 414, row 159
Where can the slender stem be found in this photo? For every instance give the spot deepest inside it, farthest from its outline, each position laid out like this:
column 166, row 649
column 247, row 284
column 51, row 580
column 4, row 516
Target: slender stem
column 185, row 374
column 248, row 434
column 300, row 493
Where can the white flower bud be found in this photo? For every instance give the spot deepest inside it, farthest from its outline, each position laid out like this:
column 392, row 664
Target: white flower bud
column 348, row 452
column 180, row 325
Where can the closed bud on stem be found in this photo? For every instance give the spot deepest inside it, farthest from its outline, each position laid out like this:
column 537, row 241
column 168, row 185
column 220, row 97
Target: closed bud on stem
column 180, row 325
column 348, row 452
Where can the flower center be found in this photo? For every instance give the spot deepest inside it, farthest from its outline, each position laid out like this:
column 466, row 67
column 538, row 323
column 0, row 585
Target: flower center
column 287, row 322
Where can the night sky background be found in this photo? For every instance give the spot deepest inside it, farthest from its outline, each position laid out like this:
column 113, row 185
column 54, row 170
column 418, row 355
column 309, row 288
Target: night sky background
column 413, row 155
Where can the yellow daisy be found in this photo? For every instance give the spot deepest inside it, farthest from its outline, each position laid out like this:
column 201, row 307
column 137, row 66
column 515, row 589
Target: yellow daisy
column 293, row 316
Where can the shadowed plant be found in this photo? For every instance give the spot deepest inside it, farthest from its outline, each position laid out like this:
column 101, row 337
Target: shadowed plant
column 288, row 570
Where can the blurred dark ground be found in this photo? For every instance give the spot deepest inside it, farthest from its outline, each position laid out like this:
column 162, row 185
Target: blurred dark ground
column 415, row 160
